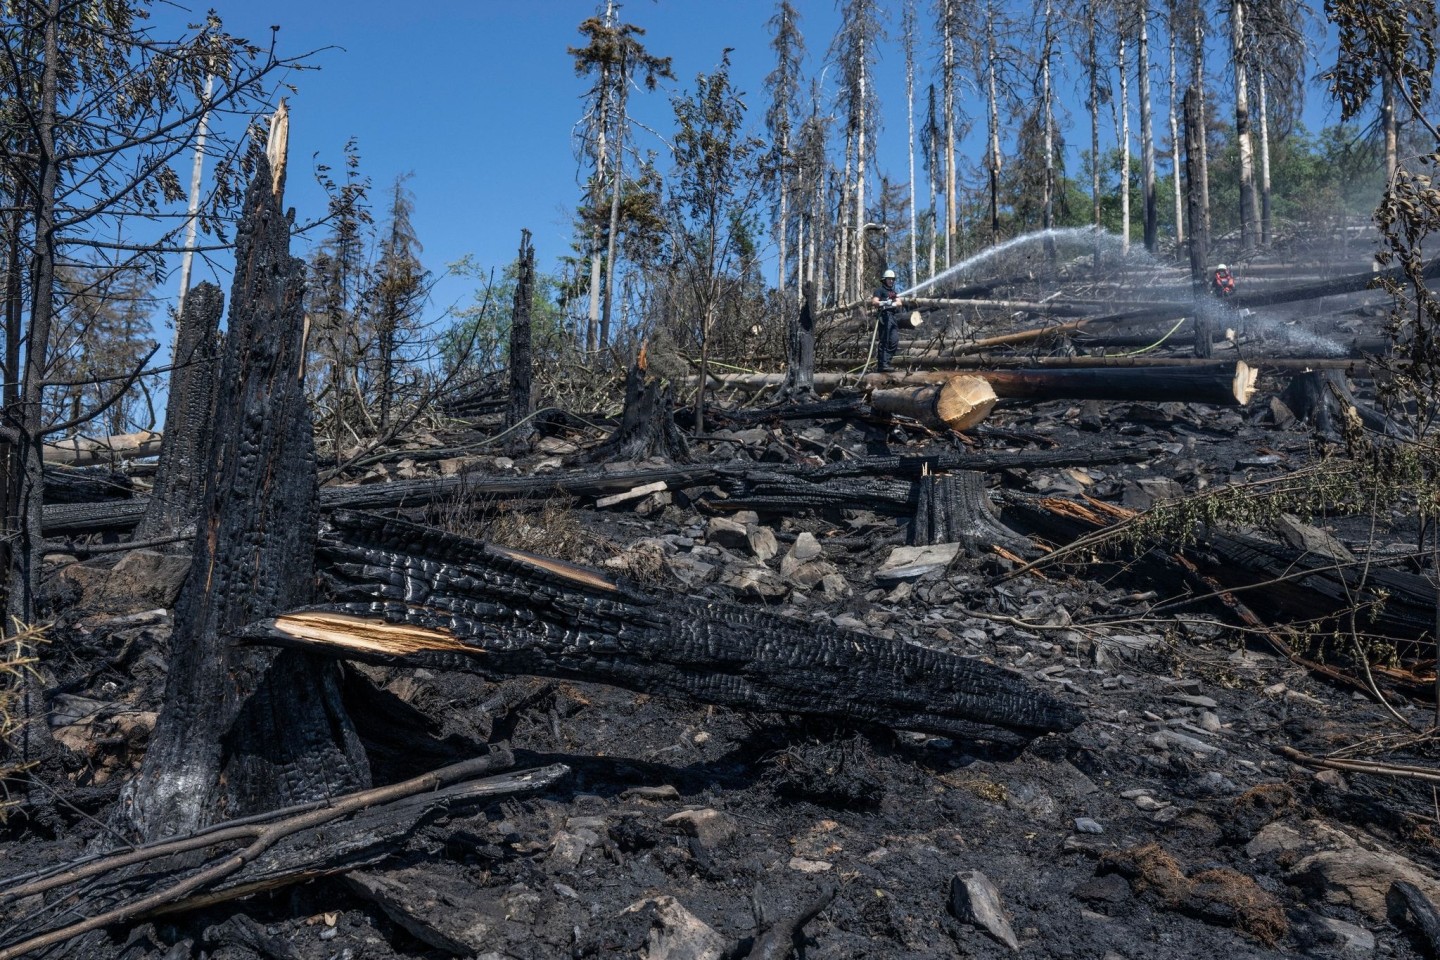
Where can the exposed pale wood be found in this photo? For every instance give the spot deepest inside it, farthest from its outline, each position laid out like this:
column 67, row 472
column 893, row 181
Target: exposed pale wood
column 85, row 451
column 956, row 403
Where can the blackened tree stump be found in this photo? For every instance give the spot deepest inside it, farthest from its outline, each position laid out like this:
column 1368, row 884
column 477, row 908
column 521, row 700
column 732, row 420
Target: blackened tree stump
column 241, row 729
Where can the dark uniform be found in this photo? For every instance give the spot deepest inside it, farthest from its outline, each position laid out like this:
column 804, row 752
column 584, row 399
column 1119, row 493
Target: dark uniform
column 887, row 334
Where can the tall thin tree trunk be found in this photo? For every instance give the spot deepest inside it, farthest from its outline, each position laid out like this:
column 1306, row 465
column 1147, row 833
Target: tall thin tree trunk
column 934, row 154
column 860, row 218
column 1048, row 217
column 191, row 218
column 845, row 234
column 1092, row 70
column 1266, row 226
column 1197, row 70
column 909, row 42
column 1147, row 135
column 947, row 81
column 1175, row 139
column 993, row 120
column 1124, row 147
column 1249, row 202
column 618, row 180
column 28, row 551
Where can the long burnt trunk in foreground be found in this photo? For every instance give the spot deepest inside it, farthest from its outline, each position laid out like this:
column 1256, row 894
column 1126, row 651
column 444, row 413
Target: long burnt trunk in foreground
column 244, row 730
column 413, row 595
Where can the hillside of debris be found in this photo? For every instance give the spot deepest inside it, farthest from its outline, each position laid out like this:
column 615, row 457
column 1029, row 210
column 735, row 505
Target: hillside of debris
column 827, row 679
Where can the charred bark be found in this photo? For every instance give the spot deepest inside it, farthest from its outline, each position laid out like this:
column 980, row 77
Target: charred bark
column 954, row 508
column 189, row 416
column 800, row 351
column 86, row 485
column 242, row 729
column 413, row 595
column 1224, row 384
column 522, row 389
column 647, row 426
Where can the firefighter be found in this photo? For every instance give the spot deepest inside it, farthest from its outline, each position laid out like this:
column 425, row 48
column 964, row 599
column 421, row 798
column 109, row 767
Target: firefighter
column 1223, row 282
column 887, row 331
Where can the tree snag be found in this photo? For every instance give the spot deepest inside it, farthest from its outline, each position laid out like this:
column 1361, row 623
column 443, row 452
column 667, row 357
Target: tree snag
column 522, row 388
column 241, row 729
column 189, row 412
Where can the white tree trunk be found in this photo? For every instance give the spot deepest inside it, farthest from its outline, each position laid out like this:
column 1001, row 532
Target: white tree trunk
column 1265, row 224
column 909, row 43
column 1124, row 149
column 1175, row 139
column 1147, row 135
column 1249, row 205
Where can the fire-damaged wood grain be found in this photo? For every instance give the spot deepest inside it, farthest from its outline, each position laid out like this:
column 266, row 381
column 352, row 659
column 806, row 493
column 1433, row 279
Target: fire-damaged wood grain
column 350, row 633
column 508, row 616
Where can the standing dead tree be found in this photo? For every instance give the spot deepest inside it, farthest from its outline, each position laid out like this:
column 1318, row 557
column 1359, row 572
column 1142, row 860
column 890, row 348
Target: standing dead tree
column 189, row 411
column 243, row 730
column 522, row 388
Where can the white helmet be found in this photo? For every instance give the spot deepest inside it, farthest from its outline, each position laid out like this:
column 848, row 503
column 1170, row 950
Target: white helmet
column 1222, row 267
column 888, row 275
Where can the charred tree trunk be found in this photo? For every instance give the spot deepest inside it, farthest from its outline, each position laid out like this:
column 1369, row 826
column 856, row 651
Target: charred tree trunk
column 1226, row 384
column 496, row 611
column 1199, row 226
column 954, row 508
column 800, row 351
column 244, row 730
column 647, row 426
column 522, row 391
column 189, row 415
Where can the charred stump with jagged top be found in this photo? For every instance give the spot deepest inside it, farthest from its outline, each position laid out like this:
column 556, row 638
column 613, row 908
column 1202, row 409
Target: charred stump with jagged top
column 647, row 425
column 243, row 729
column 411, row 595
column 189, row 412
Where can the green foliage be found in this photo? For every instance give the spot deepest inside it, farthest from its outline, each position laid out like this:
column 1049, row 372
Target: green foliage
column 478, row 343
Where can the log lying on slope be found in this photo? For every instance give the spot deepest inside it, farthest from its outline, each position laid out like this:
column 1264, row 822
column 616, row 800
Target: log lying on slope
column 416, row 596
column 125, row 514
column 956, row 403
column 1224, row 384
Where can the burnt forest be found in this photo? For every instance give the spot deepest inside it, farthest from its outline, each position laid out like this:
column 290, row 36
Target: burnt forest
column 1023, row 545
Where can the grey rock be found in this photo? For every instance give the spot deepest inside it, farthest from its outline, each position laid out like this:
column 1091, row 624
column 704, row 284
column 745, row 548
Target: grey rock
column 711, row 827
column 806, row 547
column 915, row 563
column 676, row 933
column 1086, row 825
column 727, row 533
column 975, row 900
column 762, row 543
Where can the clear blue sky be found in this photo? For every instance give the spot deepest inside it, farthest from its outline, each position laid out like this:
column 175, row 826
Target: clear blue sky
column 479, row 100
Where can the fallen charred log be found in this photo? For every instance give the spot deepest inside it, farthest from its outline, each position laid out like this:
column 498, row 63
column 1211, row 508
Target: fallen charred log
column 402, row 494
column 1284, row 583
column 71, row 485
column 956, row 403
column 416, row 596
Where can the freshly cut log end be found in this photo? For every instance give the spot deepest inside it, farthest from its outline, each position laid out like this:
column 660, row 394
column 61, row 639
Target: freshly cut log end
column 411, row 595
column 1244, row 383
column 957, row 403
column 964, row 401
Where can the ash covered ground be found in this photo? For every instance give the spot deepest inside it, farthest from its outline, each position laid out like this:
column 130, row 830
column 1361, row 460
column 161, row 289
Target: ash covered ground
column 1166, row 825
